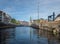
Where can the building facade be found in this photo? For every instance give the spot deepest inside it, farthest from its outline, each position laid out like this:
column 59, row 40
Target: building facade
column 25, row 23
column 4, row 17
column 58, row 18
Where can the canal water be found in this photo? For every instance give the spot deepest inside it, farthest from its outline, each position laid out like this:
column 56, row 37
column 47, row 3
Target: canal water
column 27, row 35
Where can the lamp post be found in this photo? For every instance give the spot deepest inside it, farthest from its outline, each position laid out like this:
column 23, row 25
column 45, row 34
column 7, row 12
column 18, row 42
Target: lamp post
column 50, row 17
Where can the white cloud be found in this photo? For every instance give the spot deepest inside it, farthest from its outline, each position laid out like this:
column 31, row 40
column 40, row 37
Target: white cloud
column 28, row 8
column 45, row 2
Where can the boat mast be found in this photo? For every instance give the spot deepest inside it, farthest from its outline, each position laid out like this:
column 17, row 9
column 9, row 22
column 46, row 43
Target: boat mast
column 38, row 12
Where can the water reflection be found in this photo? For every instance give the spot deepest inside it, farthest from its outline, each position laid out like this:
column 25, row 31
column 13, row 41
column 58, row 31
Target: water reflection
column 7, row 36
column 26, row 35
column 46, row 34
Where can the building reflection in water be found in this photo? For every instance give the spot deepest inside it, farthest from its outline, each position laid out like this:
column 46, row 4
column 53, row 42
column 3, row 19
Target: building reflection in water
column 46, row 34
column 6, row 35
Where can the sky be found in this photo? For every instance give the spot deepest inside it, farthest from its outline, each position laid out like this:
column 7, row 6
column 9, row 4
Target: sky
column 23, row 9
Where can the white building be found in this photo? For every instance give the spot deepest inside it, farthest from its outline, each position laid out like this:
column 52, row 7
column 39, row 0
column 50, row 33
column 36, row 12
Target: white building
column 58, row 18
column 4, row 17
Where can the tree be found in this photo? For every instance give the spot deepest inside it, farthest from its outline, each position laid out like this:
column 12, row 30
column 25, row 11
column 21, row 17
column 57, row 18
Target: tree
column 41, row 19
column 13, row 20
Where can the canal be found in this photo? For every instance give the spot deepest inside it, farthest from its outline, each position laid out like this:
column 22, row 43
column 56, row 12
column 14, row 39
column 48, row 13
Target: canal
column 27, row 35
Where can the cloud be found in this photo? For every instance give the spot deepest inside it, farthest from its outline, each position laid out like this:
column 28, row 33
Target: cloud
column 23, row 9
column 45, row 2
column 7, row 10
